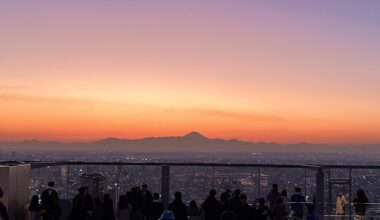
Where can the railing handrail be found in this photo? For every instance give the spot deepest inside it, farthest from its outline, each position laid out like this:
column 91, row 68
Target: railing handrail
column 40, row 164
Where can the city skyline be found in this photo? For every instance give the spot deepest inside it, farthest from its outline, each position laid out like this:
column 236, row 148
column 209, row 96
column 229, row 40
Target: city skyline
column 279, row 71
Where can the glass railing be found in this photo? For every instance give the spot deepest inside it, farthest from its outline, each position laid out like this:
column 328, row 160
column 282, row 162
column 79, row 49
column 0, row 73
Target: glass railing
column 195, row 180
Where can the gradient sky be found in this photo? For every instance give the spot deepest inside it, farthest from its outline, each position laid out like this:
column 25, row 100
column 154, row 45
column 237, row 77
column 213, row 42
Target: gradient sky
column 284, row 71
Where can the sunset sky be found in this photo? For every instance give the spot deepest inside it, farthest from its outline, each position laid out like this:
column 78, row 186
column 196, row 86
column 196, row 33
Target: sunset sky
column 284, row 71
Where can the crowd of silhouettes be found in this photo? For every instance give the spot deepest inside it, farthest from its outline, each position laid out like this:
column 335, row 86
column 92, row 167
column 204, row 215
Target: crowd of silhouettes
column 140, row 204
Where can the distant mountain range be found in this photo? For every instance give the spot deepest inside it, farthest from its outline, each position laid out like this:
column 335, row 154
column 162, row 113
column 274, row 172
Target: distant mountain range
column 192, row 142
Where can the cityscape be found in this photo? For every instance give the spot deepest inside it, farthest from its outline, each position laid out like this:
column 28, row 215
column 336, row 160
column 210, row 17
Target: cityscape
column 190, row 110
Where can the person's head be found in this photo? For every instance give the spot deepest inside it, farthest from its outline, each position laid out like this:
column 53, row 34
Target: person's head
column 35, row 200
column 86, row 190
column 212, row 193
column 228, row 215
column 97, row 201
column 280, row 201
column 237, row 192
column 360, row 193
column 228, row 191
column 193, row 203
column 262, row 201
column 297, row 190
column 257, row 203
column 82, row 190
column 178, row 195
column 135, row 190
column 51, row 184
column 275, row 187
column 144, row 187
column 243, row 199
column 284, row 193
column 156, row 196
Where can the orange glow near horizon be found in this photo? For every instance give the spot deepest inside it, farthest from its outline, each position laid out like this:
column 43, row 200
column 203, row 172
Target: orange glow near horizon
column 284, row 73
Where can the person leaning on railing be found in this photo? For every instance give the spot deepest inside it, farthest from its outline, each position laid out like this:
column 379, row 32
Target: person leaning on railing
column 360, row 204
column 340, row 205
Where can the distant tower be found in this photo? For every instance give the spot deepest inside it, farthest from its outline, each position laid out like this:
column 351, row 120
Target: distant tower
column 95, row 183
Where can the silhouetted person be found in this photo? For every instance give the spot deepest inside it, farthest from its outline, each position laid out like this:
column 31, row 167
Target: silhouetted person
column 178, row 207
column 225, row 196
column 97, row 213
column 35, row 208
column 285, row 200
column 49, row 194
column 88, row 200
column 261, row 211
column 360, row 204
column 245, row 211
column 157, row 207
column 211, row 207
column 82, row 205
column 136, row 200
column 340, row 206
column 124, row 209
column 273, row 196
column 3, row 210
column 228, row 215
column 147, row 198
column 234, row 203
column 49, row 201
column 280, row 212
column 298, row 203
column 53, row 213
column 193, row 211
column 108, row 211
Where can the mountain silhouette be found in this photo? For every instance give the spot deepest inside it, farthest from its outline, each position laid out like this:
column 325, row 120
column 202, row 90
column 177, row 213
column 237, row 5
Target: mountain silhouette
column 191, row 142
column 195, row 136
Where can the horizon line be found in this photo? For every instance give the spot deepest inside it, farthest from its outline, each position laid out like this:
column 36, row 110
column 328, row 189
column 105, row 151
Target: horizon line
column 181, row 136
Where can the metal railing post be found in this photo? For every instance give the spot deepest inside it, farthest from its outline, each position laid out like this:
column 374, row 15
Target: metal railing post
column 259, row 186
column 213, row 177
column 68, row 182
column 320, row 192
column 350, row 196
column 165, row 185
column 117, row 192
column 305, row 183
